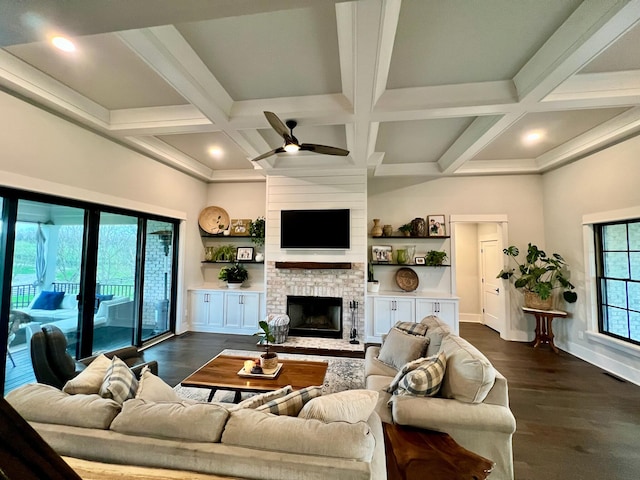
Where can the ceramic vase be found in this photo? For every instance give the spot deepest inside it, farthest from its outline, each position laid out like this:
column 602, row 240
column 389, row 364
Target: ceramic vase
column 387, row 230
column 418, row 227
column 376, row 231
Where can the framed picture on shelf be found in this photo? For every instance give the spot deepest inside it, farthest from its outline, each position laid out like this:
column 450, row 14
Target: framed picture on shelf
column 381, row 253
column 240, row 227
column 244, row 254
column 418, row 260
column 436, row 226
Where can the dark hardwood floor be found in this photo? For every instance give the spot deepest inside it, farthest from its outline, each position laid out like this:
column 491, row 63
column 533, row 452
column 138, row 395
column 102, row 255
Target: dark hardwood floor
column 573, row 420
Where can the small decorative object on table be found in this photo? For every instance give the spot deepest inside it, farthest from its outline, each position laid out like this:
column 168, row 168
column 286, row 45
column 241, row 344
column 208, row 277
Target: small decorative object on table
column 436, row 226
column 268, row 360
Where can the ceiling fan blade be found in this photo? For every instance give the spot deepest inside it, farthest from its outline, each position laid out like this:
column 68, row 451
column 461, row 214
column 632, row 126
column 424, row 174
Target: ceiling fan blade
column 268, row 154
column 312, row 147
column 277, row 124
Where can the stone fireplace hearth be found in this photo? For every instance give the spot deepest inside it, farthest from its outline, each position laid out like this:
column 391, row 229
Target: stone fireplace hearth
column 346, row 284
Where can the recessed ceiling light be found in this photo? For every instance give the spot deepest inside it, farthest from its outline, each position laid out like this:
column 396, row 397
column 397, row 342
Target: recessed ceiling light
column 215, row 152
column 63, row 44
column 533, row 136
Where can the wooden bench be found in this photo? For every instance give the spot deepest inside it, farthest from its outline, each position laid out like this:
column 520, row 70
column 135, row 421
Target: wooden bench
column 410, row 452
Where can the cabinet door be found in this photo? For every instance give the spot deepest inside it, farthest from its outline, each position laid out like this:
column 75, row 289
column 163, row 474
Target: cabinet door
column 216, row 309
column 445, row 310
column 404, row 310
column 198, row 309
column 382, row 315
column 251, row 311
column 424, row 308
column 233, row 309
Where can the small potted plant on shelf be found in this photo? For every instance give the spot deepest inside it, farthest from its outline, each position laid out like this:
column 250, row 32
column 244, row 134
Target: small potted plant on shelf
column 538, row 276
column 234, row 275
column 225, row 253
column 257, row 231
column 406, row 229
column 435, row 258
column 268, row 360
column 373, row 285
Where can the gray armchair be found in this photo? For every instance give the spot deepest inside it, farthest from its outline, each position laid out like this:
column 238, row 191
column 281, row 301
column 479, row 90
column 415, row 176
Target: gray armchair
column 53, row 365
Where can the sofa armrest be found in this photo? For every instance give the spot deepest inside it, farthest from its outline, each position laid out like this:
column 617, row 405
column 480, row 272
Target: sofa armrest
column 153, row 368
column 444, row 415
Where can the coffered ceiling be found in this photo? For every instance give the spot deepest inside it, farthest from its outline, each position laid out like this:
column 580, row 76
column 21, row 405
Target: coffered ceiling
column 420, row 88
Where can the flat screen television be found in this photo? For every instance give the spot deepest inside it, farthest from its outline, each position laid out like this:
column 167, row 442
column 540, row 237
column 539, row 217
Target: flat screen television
column 315, row 229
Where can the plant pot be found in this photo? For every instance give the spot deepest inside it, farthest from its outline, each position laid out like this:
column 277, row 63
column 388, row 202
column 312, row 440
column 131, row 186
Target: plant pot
column 373, row 287
column 234, row 285
column 533, row 300
column 269, row 362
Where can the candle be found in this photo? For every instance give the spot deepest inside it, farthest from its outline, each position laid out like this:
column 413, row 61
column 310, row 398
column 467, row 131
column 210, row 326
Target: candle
column 248, row 365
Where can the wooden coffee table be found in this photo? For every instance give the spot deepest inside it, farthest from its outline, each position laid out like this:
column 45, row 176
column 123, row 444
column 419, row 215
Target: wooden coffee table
column 222, row 373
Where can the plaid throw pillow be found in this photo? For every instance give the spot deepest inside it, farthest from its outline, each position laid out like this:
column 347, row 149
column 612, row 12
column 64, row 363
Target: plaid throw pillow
column 425, row 380
column 262, row 398
column 292, row 403
column 119, row 382
column 412, row 328
column 406, row 368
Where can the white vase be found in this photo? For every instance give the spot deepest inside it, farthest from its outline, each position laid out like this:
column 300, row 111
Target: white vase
column 233, row 286
column 373, row 287
column 259, row 257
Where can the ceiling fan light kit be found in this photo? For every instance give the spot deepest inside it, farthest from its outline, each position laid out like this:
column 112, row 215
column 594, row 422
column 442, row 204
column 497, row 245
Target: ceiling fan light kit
column 291, row 143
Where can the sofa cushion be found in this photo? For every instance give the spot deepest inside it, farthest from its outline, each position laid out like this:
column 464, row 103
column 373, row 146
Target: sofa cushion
column 90, row 379
column 99, row 299
column 262, row 398
column 425, row 380
column 200, row 422
column 348, row 406
column 36, row 402
column 292, row 403
column 436, row 331
column 469, row 375
column 411, row 327
column 153, row 389
column 400, row 348
column 48, row 300
column 260, row 430
column 119, row 382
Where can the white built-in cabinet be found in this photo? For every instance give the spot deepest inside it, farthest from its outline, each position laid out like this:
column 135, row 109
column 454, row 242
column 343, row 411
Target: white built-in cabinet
column 389, row 310
column 225, row 311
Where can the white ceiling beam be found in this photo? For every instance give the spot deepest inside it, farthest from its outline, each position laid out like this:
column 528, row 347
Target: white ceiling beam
column 511, row 166
column 160, row 120
column 171, row 56
column 614, row 129
column 387, row 37
column 592, row 27
column 481, row 132
column 408, row 169
column 255, row 175
column 375, row 159
column 171, row 156
column 599, row 86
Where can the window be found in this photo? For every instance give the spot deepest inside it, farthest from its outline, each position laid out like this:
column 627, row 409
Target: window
column 618, row 279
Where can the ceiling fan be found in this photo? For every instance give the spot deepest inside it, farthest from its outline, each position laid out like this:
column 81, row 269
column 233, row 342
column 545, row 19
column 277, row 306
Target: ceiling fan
column 291, row 143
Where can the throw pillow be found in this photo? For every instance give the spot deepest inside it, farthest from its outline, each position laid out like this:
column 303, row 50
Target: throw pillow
column 99, row 299
column 119, row 382
column 412, row 328
column 153, row 389
column 262, row 398
column 291, row 404
column 425, row 380
column 90, row 379
column 406, row 368
column 350, row 406
column 48, row 300
column 400, row 348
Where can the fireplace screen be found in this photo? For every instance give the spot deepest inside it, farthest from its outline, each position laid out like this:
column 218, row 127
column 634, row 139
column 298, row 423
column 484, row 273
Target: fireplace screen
column 315, row 316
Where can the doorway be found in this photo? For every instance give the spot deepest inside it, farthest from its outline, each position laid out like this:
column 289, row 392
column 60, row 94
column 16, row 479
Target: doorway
column 477, row 241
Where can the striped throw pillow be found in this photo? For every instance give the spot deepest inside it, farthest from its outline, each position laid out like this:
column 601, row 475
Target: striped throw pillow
column 425, row 380
column 412, row 328
column 119, row 382
column 292, row 403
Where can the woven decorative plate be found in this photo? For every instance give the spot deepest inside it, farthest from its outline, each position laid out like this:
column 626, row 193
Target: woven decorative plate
column 211, row 218
column 407, row 279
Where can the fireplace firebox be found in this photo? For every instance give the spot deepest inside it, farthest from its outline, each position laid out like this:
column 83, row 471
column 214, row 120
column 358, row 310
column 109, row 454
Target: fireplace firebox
column 315, row 316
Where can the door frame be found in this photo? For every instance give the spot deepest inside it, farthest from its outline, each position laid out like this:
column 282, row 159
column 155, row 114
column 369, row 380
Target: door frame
column 502, row 224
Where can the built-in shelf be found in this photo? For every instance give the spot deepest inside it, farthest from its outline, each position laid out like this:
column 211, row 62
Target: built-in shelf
column 238, row 261
column 411, row 238
column 315, row 265
column 390, row 264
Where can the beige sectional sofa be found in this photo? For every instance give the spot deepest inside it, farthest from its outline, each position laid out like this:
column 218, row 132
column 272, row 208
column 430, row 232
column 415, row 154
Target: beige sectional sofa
column 472, row 404
column 208, row 438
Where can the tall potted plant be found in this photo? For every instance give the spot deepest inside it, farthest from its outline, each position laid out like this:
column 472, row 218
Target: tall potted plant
column 538, row 276
column 268, row 360
column 373, row 285
column 234, row 275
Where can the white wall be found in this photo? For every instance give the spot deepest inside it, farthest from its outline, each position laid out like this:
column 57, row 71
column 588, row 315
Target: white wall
column 42, row 152
column 607, row 180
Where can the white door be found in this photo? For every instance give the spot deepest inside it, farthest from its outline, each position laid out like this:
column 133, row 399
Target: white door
column 492, row 294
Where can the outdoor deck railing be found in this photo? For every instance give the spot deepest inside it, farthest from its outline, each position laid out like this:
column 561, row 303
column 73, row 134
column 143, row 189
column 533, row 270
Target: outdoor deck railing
column 22, row 295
